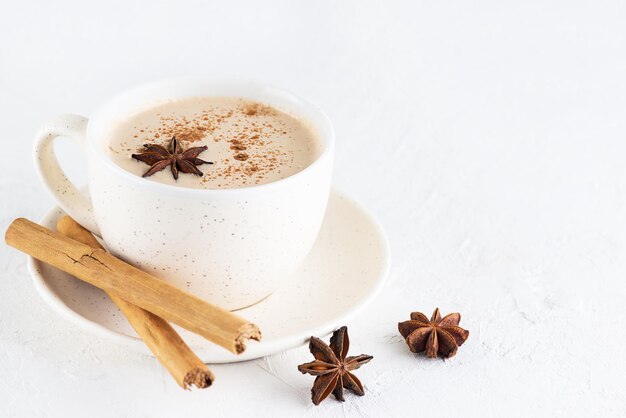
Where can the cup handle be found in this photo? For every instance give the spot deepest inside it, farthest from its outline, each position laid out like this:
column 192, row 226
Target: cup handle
column 70, row 199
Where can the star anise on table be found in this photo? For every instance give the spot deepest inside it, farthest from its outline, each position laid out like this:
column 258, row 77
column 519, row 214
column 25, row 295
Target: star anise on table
column 332, row 367
column 159, row 157
column 437, row 336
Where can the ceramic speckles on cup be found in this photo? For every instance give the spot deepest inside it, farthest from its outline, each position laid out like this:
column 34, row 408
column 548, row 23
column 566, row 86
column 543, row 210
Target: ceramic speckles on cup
column 232, row 247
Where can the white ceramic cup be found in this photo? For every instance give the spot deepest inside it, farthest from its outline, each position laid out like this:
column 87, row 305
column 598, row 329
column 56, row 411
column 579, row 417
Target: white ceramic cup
column 232, row 247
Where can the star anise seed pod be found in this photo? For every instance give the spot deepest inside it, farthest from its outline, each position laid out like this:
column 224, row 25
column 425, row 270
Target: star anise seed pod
column 437, row 336
column 332, row 367
column 159, row 157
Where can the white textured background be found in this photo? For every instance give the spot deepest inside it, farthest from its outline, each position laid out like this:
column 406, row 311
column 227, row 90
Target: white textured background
column 489, row 137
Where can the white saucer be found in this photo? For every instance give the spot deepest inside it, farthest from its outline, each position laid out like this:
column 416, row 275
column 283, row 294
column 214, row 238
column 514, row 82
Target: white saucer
column 343, row 273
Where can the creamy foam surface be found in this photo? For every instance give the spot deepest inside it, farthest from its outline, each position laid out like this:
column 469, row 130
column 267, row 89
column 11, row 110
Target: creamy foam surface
column 250, row 143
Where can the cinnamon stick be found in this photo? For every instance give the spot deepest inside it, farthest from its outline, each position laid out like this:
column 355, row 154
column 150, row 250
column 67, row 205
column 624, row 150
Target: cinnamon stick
column 164, row 342
column 103, row 270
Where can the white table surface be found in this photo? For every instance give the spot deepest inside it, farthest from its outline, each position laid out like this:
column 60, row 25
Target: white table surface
column 488, row 137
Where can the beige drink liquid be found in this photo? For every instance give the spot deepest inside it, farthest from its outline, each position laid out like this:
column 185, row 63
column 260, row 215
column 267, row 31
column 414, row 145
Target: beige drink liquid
column 248, row 142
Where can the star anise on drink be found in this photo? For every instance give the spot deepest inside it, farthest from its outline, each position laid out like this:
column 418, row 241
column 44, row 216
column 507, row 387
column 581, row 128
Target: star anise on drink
column 159, row 157
column 332, row 367
column 437, row 336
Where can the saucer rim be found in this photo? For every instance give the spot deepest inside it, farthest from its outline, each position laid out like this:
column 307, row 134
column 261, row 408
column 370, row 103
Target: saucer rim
column 255, row 350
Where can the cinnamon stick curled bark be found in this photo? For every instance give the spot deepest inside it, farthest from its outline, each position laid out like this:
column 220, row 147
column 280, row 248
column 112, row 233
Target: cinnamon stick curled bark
column 164, row 342
column 103, row 270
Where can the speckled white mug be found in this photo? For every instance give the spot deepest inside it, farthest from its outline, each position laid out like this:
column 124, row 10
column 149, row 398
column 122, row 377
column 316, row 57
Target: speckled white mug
column 232, row 247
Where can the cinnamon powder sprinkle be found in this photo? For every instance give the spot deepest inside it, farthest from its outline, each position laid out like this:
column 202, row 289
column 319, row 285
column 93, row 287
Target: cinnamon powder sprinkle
column 257, row 109
column 251, row 133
